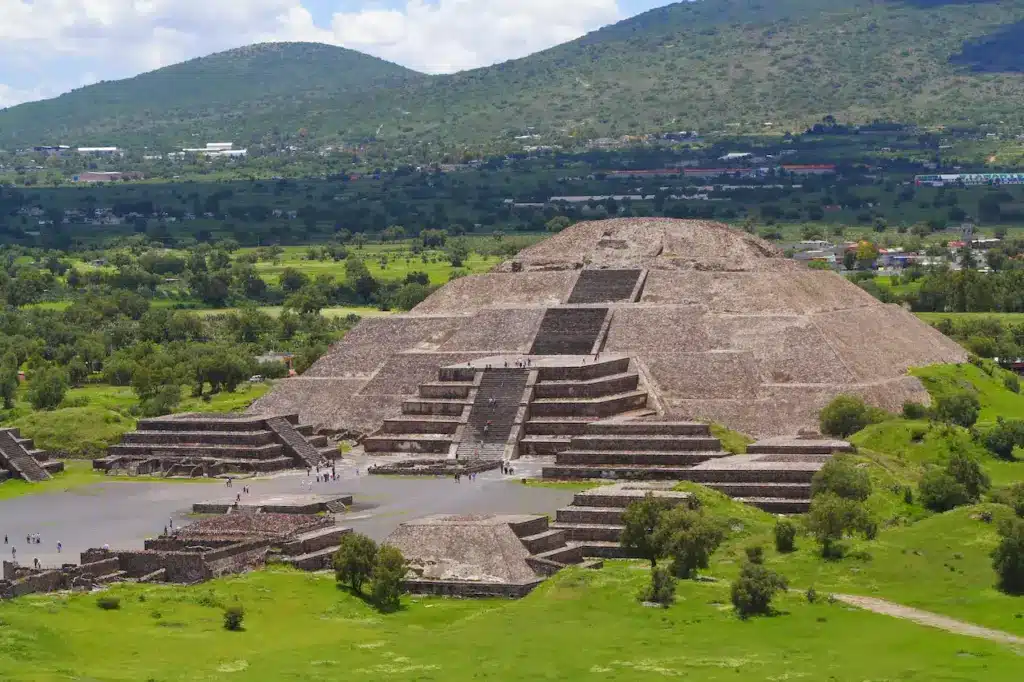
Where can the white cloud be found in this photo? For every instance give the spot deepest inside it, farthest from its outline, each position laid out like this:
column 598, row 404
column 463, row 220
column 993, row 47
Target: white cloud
column 56, row 42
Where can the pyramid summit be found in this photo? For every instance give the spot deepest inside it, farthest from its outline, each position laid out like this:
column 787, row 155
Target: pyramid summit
column 626, row 318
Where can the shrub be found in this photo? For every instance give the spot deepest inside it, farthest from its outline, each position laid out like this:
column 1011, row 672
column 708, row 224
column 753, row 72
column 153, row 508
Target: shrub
column 845, row 416
column 354, row 561
column 47, row 387
column 108, row 602
column 753, row 591
column 785, row 536
column 968, row 472
column 841, row 477
column 1008, row 557
column 639, row 534
column 166, row 399
column 831, row 518
column 912, row 410
column 386, row 579
column 1011, row 383
column 1002, row 438
column 233, row 617
column 811, row 594
column 960, row 408
column 1013, row 497
column 940, row 492
column 661, row 589
column 689, row 538
column 755, row 554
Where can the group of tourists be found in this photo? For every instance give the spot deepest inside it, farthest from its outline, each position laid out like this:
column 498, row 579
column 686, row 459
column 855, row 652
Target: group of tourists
column 30, row 539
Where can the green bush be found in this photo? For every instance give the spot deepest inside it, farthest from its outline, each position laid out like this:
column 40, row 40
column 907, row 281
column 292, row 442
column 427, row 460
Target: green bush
column 47, row 387
column 940, row 492
column 354, row 561
column 689, row 537
column 233, row 617
column 785, row 536
column 960, row 408
column 661, row 589
column 968, row 472
column 845, row 416
column 165, row 401
column 1008, row 557
column 108, row 602
column 753, row 591
column 389, row 571
column 832, row 518
column 640, row 528
column 1002, row 438
column 914, row 411
column 841, row 477
column 1012, row 383
column 1012, row 496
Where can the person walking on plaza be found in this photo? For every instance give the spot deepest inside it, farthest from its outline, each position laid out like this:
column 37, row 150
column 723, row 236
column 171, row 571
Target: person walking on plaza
column 59, row 546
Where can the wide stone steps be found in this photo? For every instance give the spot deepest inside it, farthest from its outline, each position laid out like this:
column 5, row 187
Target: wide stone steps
column 644, row 442
column 683, row 458
column 647, row 428
column 800, row 491
column 762, row 474
column 567, row 554
column 421, row 424
column 587, row 532
column 777, row 505
column 52, row 466
column 155, row 438
column 408, row 443
column 602, row 550
column 604, row 406
column 319, row 560
column 611, row 471
column 557, row 426
column 604, row 286
column 544, row 542
column 589, row 388
column 437, row 406
column 593, row 515
column 586, row 370
column 137, row 450
column 198, row 424
column 543, row 446
column 494, row 412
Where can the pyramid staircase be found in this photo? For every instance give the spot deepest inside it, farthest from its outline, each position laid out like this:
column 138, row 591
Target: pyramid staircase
column 195, row 445
column 605, row 286
column 493, row 414
column 19, row 458
column 594, row 520
column 635, row 450
column 548, row 547
column 569, row 331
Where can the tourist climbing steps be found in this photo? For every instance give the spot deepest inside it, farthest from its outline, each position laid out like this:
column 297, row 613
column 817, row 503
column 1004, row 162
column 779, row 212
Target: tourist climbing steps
column 493, row 413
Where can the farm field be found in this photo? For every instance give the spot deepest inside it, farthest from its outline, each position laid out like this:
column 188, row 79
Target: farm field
column 302, row 627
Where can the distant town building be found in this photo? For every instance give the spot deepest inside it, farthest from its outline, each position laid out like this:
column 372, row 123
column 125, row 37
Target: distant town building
column 214, row 149
column 100, row 151
column 969, row 179
column 810, row 169
column 106, row 176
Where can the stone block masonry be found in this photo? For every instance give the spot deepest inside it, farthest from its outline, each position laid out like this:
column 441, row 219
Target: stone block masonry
column 569, row 331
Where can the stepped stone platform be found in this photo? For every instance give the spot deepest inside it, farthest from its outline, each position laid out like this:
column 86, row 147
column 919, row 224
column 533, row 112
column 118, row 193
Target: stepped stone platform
column 19, row 458
column 207, row 549
column 433, row 467
column 594, row 520
column 210, row 444
column 298, row 504
column 778, row 483
column 481, row 556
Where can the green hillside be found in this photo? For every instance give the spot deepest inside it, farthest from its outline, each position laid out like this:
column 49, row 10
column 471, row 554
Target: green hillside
column 725, row 65
column 232, row 95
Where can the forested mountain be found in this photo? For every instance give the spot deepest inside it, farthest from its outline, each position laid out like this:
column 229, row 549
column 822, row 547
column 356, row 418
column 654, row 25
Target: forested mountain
column 730, row 65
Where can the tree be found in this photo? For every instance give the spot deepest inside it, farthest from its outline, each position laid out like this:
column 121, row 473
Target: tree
column 960, row 408
column 389, row 570
column 8, row 380
column 753, row 591
column 1008, row 557
column 292, row 280
column 940, row 492
column 558, row 223
column 47, row 387
column 306, row 356
column 640, row 535
column 831, row 518
column 661, row 589
column 1002, row 438
column 164, row 401
column 966, row 471
column 845, row 416
column 355, row 560
column 689, row 537
column 457, row 252
column 841, row 477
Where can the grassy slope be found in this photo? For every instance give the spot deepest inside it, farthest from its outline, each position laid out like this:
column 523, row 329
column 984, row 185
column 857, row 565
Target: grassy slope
column 581, row 625
column 995, row 399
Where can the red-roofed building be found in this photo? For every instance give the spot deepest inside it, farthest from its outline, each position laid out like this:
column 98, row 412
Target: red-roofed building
column 810, row 169
column 661, row 172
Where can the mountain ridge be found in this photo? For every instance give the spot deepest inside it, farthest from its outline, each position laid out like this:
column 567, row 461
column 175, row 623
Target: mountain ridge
column 718, row 64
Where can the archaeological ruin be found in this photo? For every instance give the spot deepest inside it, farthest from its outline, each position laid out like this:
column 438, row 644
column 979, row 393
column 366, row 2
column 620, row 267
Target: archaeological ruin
column 20, row 458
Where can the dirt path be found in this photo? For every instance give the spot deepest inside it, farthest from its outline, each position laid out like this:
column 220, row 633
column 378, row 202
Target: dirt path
column 934, row 620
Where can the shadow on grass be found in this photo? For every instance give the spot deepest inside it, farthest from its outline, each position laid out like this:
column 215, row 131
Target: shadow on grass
column 368, row 600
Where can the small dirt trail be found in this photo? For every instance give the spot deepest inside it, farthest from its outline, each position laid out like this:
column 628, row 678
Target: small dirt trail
column 930, row 619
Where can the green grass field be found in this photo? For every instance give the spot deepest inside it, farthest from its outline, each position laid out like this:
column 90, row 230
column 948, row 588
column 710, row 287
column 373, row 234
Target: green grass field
column 932, row 318
column 580, row 625
column 995, row 399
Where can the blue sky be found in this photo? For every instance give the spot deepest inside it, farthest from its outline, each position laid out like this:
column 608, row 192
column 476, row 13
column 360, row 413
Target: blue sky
column 51, row 46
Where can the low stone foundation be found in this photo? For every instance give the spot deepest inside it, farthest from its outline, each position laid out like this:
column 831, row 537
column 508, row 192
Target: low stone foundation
column 434, row 467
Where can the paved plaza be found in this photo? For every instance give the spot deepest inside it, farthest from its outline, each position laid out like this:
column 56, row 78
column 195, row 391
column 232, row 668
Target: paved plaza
column 122, row 514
